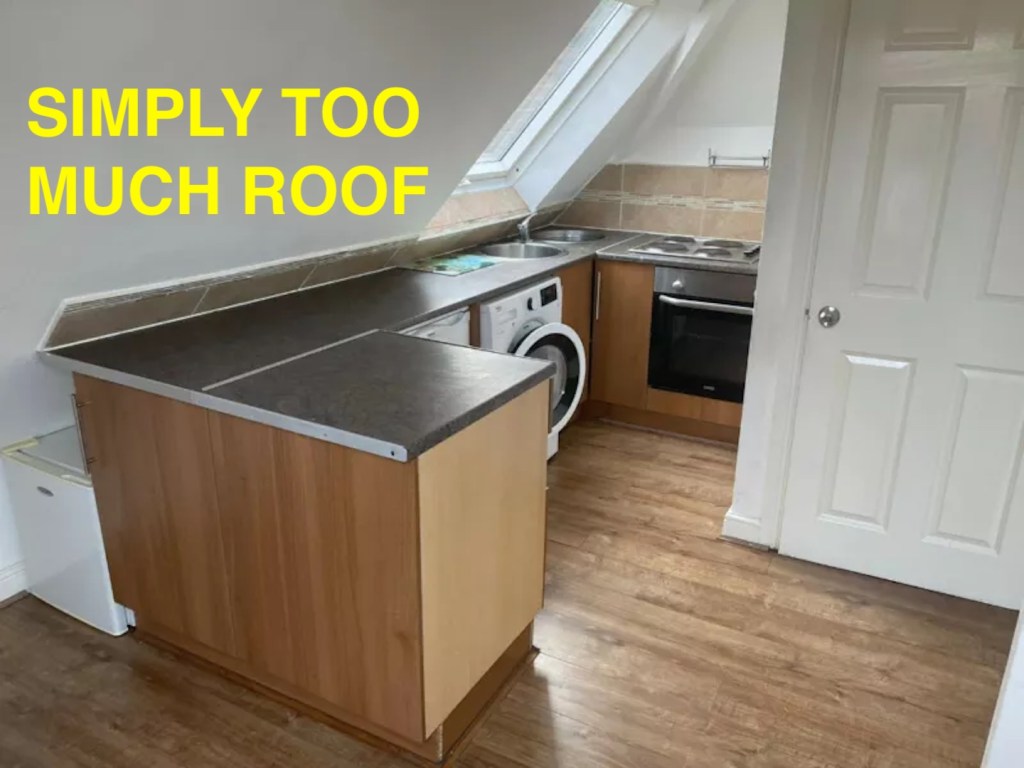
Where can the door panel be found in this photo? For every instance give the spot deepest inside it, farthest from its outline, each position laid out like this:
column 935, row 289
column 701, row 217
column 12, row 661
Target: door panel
column 982, row 461
column 937, row 25
column 1006, row 271
column 909, row 167
column 906, row 449
column 868, row 437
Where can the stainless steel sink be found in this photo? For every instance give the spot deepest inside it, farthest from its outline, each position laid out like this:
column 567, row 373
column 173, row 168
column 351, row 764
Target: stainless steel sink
column 556, row 235
column 519, row 251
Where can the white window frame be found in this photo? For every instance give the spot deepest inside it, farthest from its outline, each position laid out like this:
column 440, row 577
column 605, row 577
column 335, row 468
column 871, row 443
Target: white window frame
column 605, row 48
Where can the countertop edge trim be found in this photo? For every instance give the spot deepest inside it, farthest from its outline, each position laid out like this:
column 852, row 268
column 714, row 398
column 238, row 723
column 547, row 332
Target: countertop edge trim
column 248, row 413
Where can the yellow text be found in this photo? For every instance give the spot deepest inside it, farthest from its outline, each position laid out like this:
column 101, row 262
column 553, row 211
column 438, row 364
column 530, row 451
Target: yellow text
column 147, row 191
column 314, row 190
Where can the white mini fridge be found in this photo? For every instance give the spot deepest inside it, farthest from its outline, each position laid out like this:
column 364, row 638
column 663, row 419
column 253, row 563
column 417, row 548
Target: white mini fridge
column 59, row 529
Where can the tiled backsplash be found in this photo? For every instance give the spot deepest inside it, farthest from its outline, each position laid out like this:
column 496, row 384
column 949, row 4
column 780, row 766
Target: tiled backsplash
column 462, row 210
column 683, row 200
column 676, row 200
column 465, row 220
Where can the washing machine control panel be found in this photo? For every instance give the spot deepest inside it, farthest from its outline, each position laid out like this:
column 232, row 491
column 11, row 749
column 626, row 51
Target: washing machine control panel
column 503, row 319
column 544, row 297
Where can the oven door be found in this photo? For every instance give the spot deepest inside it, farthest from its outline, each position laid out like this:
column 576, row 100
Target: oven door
column 699, row 347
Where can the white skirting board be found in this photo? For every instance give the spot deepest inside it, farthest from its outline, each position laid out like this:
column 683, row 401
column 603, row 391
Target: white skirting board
column 742, row 528
column 12, row 580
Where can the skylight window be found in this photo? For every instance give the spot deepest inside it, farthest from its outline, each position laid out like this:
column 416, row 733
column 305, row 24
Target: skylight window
column 596, row 35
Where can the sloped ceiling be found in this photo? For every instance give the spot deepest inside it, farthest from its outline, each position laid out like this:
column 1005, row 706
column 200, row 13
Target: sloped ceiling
column 470, row 62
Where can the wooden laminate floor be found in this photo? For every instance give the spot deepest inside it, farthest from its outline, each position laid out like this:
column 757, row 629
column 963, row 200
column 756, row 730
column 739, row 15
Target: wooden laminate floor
column 660, row 646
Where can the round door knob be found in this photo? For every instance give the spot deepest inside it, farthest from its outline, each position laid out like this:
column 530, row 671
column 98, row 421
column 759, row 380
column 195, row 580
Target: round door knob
column 829, row 316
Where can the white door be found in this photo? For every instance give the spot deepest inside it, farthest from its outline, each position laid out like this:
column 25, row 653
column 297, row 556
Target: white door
column 906, row 455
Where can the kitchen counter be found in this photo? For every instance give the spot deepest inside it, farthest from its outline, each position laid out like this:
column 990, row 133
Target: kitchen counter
column 242, row 360
column 387, row 393
column 377, row 500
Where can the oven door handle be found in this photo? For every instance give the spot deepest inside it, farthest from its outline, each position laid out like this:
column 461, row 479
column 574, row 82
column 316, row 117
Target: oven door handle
column 732, row 309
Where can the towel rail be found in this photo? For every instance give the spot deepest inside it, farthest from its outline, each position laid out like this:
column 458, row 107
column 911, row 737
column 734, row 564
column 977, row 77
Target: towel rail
column 761, row 162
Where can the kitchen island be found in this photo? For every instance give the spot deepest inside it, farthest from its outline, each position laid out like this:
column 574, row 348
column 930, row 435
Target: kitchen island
column 378, row 592
column 330, row 511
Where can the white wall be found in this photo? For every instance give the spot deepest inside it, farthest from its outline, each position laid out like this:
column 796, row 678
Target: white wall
column 465, row 59
column 1006, row 740
column 810, row 76
column 727, row 99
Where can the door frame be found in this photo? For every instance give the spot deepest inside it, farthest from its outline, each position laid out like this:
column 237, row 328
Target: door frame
column 808, row 96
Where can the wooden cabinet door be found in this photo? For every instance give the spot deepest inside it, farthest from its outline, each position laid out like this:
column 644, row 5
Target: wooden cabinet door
column 578, row 307
column 622, row 331
column 322, row 546
column 263, row 545
column 153, row 478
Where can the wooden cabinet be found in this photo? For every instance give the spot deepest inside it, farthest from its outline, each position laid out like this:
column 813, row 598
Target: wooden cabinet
column 622, row 330
column 155, row 487
column 578, row 306
column 624, row 294
column 375, row 591
column 704, row 409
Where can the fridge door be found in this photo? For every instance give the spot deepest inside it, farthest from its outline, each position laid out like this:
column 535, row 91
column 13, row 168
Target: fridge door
column 58, row 526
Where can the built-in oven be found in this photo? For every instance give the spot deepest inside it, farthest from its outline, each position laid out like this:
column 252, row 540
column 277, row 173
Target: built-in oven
column 700, row 332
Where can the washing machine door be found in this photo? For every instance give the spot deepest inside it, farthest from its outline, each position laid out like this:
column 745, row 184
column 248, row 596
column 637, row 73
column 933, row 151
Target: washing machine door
column 561, row 345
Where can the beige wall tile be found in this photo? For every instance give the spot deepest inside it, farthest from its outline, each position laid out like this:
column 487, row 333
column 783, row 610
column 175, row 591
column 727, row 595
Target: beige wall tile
column 258, row 285
column 608, row 179
column 669, row 219
column 512, row 203
column 592, row 213
column 737, row 225
column 549, row 215
column 489, row 232
column 349, row 265
column 679, row 181
column 460, row 210
column 100, row 319
column 737, row 184
column 449, row 213
column 431, row 246
column 491, row 203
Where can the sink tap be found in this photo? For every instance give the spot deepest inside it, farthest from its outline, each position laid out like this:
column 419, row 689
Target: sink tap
column 524, row 228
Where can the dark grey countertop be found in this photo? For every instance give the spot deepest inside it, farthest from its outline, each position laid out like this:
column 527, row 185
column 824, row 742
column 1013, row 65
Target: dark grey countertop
column 390, row 389
column 243, row 360
column 204, row 350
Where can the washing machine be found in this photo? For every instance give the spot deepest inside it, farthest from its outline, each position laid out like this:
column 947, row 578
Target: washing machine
column 528, row 323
